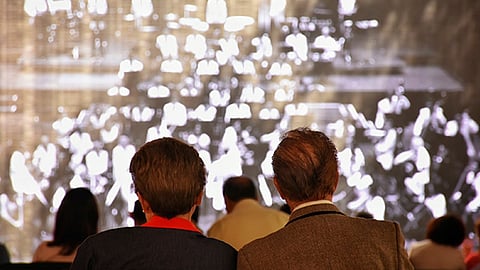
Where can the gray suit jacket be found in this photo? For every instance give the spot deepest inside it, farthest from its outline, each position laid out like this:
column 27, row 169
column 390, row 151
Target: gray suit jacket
column 321, row 237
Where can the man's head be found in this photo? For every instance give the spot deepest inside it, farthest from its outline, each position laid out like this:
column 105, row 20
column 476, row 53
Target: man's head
column 169, row 175
column 305, row 166
column 447, row 230
column 236, row 189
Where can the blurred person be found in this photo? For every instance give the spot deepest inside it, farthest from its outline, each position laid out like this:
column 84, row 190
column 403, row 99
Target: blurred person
column 318, row 234
column 76, row 219
column 169, row 178
column 472, row 258
column 4, row 254
column 440, row 249
column 364, row 214
column 246, row 218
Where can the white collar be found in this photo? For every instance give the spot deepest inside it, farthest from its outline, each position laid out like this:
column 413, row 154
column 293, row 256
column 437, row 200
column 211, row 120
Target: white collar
column 312, row 203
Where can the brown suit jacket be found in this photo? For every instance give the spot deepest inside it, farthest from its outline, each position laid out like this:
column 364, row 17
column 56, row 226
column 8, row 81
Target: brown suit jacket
column 321, row 237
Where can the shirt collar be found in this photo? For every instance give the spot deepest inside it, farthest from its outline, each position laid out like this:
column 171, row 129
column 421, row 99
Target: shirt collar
column 312, row 203
column 172, row 223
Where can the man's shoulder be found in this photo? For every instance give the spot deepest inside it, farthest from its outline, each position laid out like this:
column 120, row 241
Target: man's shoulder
column 276, row 212
column 380, row 227
column 255, row 208
column 150, row 240
column 254, row 214
column 272, row 240
column 388, row 225
column 113, row 235
column 145, row 234
column 150, row 247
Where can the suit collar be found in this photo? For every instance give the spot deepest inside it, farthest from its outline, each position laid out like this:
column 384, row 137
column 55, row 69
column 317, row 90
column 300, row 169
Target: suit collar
column 312, row 210
column 305, row 204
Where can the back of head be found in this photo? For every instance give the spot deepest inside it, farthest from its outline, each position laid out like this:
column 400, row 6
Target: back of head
column 364, row 214
column 305, row 165
column 446, row 230
column 76, row 219
column 169, row 175
column 238, row 188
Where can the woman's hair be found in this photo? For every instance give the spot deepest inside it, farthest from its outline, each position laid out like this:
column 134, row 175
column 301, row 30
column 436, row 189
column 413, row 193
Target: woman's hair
column 76, row 219
column 305, row 165
column 169, row 174
column 446, row 230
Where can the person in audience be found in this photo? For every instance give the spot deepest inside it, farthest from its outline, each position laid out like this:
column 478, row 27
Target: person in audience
column 318, row 234
column 169, row 178
column 246, row 219
column 4, row 254
column 472, row 257
column 440, row 249
column 76, row 219
column 138, row 215
column 364, row 214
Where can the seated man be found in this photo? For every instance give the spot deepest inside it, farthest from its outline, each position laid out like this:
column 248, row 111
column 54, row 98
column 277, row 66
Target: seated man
column 318, row 235
column 246, row 219
column 169, row 178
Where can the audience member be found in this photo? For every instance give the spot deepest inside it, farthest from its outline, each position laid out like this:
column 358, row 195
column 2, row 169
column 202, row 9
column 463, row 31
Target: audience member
column 76, row 219
column 138, row 215
column 364, row 214
column 472, row 258
column 169, row 178
column 440, row 249
column 246, row 219
column 4, row 254
column 318, row 234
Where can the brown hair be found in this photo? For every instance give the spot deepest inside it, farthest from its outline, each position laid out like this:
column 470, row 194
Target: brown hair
column 169, row 174
column 237, row 188
column 305, row 165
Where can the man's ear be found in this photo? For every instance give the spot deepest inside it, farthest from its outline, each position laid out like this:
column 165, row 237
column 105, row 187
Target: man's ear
column 145, row 205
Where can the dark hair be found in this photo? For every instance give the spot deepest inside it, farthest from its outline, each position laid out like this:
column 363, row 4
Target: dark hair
column 305, row 165
column 76, row 219
column 446, row 230
column 364, row 214
column 169, row 174
column 238, row 188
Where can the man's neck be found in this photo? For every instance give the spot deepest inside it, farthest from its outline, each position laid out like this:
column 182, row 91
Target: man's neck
column 299, row 204
column 187, row 216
